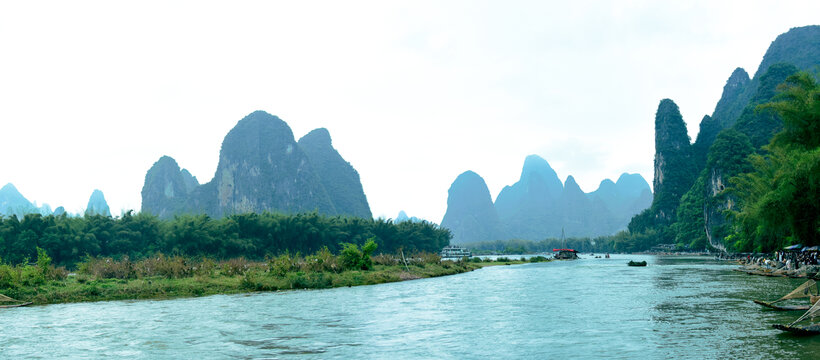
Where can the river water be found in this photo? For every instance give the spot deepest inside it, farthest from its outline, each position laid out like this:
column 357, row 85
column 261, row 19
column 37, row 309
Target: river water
column 676, row 307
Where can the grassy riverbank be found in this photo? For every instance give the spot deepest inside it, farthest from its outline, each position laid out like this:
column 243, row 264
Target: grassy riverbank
column 162, row 277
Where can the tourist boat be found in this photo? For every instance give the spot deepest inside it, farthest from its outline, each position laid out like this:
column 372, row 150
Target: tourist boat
column 454, row 252
column 810, row 329
column 565, row 254
column 806, row 290
column 636, row 263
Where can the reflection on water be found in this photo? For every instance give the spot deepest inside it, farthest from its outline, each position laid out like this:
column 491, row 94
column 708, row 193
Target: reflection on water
column 590, row 308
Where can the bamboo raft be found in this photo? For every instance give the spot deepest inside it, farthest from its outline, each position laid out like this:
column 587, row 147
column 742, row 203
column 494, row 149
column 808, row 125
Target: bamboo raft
column 782, row 307
column 6, row 299
column 806, row 290
column 15, row 305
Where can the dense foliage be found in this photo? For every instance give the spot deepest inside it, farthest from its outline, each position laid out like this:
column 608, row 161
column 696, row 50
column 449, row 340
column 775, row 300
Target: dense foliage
column 675, row 171
column 780, row 200
column 70, row 239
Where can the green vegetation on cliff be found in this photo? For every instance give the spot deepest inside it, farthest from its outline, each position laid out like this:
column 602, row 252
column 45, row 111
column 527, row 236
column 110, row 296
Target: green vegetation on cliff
column 739, row 127
column 779, row 201
column 675, row 171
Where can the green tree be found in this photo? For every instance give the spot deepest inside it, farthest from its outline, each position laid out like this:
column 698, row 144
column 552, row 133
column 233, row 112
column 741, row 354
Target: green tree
column 780, row 200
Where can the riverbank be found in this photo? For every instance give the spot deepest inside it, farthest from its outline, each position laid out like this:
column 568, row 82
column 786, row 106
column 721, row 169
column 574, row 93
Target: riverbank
column 225, row 279
column 806, row 271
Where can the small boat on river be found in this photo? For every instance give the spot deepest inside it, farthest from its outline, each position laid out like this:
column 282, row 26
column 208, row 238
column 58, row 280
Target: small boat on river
column 565, row 254
column 806, row 290
column 636, row 263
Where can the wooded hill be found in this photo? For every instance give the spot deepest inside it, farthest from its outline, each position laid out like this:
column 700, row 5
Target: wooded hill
column 748, row 181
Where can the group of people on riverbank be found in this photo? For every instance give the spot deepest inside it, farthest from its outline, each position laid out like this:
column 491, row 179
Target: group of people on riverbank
column 788, row 262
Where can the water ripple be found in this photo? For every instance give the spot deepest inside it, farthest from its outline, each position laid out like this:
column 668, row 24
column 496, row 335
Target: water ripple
column 592, row 308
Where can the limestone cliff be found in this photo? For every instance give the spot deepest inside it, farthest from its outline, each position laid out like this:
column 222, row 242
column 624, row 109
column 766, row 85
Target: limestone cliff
column 675, row 169
column 261, row 168
column 339, row 178
column 167, row 188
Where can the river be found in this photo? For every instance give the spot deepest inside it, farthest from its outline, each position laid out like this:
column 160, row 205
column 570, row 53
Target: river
column 677, row 307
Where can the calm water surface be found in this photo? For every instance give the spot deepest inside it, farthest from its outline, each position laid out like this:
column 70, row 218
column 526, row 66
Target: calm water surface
column 591, row 308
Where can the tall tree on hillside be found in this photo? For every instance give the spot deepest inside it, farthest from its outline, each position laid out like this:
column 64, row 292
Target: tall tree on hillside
column 780, row 200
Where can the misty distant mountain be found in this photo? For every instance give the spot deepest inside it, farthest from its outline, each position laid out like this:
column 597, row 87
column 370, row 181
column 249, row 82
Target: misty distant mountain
column 261, row 168
column 12, row 202
column 97, row 204
column 470, row 214
column 540, row 206
column 623, row 199
column 537, row 188
column 402, row 217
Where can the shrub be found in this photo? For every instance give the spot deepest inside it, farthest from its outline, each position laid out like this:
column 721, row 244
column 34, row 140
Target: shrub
column 387, row 260
column 9, row 277
column 31, row 276
column 282, row 264
column 238, row 266
column 108, row 268
column 355, row 259
column 322, row 260
column 205, row 267
column 168, row 267
column 43, row 261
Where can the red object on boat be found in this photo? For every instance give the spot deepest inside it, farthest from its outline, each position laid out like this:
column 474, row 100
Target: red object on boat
column 554, row 250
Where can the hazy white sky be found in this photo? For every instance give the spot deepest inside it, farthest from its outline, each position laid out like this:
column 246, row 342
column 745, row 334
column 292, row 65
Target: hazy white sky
column 413, row 93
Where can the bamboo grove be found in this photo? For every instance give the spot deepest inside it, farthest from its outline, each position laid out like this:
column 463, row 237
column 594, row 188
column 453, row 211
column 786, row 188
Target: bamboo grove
column 69, row 240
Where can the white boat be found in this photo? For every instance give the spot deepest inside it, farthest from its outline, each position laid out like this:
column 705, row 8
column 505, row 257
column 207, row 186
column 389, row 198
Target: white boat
column 455, row 252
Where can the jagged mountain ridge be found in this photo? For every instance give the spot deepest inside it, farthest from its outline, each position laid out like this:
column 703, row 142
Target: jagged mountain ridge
column 261, row 168
column 540, row 206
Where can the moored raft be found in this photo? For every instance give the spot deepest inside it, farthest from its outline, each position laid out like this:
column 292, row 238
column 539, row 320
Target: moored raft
column 5, row 299
column 812, row 329
column 806, row 290
column 783, row 307
column 809, row 329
